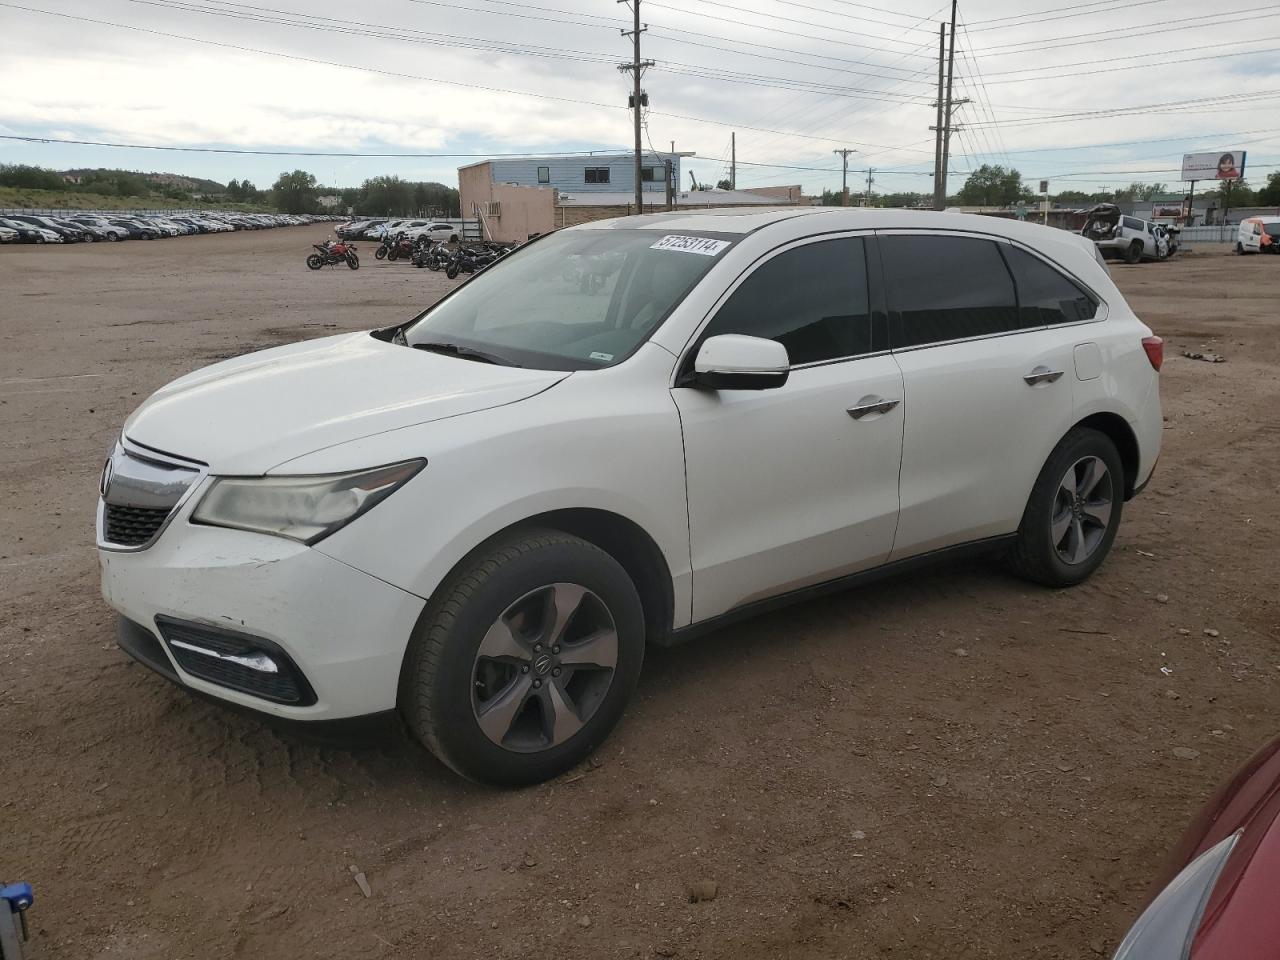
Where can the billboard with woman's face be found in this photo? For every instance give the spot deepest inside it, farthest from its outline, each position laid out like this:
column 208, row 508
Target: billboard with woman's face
column 1219, row 165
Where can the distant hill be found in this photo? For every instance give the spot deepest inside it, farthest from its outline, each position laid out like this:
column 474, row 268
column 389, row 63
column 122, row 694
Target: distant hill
column 191, row 184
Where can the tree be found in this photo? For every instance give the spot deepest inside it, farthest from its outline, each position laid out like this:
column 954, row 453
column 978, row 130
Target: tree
column 389, row 196
column 909, row 200
column 1234, row 193
column 294, row 192
column 1269, row 196
column 993, row 186
column 724, row 185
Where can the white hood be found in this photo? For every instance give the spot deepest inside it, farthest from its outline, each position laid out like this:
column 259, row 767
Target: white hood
column 247, row 415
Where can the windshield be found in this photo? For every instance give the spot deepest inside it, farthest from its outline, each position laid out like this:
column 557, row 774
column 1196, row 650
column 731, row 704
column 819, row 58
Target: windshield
column 1271, row 228
column 573, row 300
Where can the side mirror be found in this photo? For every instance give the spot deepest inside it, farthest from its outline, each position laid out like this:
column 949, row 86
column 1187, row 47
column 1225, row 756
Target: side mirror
column 732, row 361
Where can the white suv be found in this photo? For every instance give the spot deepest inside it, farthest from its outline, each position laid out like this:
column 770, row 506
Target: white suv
column 625, row 432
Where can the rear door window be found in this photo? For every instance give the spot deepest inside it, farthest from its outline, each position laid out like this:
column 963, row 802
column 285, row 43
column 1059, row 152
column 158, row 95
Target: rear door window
column 812, row 299
column 1045, row 296
column 946, row 288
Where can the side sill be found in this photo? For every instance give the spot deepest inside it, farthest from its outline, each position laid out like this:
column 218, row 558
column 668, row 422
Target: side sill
column 974, row 548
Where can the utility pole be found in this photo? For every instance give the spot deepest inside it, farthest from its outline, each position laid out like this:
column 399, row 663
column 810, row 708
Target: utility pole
column 870, row 181
column 939, row 198
column 844, row 179
column 946, row 133
column 733, row 161
column 636, row 66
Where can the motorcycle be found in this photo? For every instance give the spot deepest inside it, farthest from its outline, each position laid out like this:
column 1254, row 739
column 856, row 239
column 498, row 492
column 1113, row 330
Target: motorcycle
column 400, row 248
column 465, row 260
column 329, row 253
column 433, row 256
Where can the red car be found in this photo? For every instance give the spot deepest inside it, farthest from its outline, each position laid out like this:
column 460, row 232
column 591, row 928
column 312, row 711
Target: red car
column 1219, row 898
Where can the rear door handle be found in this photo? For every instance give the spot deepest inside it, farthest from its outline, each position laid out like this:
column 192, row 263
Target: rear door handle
column 1042, row 374
column 870, row 406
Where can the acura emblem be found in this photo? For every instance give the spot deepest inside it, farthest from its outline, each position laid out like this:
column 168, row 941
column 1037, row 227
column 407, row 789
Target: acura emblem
column 106, row 477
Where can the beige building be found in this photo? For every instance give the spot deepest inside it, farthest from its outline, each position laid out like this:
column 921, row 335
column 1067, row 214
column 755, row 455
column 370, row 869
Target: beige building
column 511, row 213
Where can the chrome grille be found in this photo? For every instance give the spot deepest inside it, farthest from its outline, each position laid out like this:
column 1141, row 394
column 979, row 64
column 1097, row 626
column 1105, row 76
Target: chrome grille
column 140, row 492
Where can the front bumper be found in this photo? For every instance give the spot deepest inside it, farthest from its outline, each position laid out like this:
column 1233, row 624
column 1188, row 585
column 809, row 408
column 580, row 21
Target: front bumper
column 345, row 630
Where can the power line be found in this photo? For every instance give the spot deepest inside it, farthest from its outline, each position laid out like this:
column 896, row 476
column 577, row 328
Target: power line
column 770, row 16
column 1076, row 6
column 1129, row 33
column 1075, row 11
column 314, row 153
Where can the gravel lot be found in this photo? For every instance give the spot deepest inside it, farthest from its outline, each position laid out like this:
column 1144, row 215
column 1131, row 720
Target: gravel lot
column 953, row 765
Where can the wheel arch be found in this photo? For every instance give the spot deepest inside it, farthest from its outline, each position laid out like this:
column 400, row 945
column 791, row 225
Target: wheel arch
column 1117, row 429
column 622, row 538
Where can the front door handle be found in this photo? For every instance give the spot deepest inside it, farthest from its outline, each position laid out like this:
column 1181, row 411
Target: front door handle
column 1042, row 374
column 869, row 406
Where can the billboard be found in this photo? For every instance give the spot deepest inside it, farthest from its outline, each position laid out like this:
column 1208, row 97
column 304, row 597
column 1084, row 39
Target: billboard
column 1219, row 165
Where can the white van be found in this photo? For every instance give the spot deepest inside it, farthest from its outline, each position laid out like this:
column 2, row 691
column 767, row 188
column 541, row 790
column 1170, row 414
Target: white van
column 1257, row 235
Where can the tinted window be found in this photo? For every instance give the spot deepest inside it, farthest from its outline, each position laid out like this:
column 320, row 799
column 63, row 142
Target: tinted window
column 812, row 300
column 947, row 288
column 597, row 175
column 1045, row 296
column 544, row 174
column 1132, row 224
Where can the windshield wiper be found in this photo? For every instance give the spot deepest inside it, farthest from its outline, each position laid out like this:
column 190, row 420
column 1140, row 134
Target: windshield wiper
column 464, row 353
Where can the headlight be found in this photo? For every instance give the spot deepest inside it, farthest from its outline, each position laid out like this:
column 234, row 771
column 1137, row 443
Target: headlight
column 1167, row 927
column 300, row 508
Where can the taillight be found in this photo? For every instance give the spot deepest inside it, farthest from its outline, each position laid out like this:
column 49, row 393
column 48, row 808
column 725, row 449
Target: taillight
column 1155, row 351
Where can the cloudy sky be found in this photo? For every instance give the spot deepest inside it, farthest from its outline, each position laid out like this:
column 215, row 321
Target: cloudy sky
column 1090, row 94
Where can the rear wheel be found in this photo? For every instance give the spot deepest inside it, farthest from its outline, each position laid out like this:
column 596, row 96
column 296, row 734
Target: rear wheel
column 525, row 659
column 315, row 261
column 1239, row 248
column 1134, row 253
column 1073, row 512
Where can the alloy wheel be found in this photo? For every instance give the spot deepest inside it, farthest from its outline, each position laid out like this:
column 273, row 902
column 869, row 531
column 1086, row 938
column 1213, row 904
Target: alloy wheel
column 544, row 667
column 1082, row 509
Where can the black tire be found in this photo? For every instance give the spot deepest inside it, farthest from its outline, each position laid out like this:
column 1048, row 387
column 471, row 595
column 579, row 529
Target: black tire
column 453, row 238
column 112, row 238
column 1035, row 555
column 380, row 253
column 39, row 238
column 1239, row 249
column 1134, row 253
column 315, row 261
column 441, row 671
column 452, row 272
column 353, row 261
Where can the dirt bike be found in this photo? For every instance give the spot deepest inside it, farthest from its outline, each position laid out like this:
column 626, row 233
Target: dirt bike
column 330, row 253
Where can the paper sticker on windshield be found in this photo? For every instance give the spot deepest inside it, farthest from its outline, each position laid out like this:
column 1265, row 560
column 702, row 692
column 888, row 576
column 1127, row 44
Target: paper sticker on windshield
column 596, row 355
column 699, row 245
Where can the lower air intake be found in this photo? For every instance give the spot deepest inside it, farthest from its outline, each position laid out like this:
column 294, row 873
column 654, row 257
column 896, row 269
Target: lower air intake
column 238, row 661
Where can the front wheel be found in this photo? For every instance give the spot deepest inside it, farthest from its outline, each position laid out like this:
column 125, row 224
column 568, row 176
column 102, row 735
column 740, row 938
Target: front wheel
column 452, row 272
column 353, row 261
column 315, row 261
column 380, row 253
column 1239, row 248
column 1134, row 253
column 525, row 659
column 1073, row 512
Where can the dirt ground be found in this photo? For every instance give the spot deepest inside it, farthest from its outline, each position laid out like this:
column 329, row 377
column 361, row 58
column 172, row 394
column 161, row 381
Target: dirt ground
column 951, row 765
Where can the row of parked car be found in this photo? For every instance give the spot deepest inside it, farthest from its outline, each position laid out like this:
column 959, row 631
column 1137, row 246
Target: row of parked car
column 375, row 229
column 110, row 226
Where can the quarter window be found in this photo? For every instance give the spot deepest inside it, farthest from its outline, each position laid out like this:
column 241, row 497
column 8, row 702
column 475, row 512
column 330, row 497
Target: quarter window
column 947, row 288
column 1045, row 296
column 597, row 175
column 812, row 299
